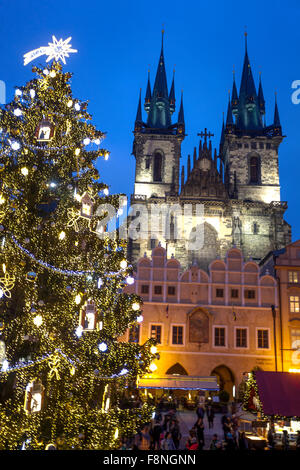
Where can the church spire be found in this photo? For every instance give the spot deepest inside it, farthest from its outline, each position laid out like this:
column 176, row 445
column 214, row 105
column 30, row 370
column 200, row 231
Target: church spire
column 248, row 116
column 229, row 118
column 159, row 115
column 260, row 96
column 181, row 123
column 276, row 124
column 234, row 97
column 172, row 95
column 148, row 95
column 160, row 88
column 138, row 119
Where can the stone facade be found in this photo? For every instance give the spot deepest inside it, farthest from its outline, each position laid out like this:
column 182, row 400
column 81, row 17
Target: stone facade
column 231, row 198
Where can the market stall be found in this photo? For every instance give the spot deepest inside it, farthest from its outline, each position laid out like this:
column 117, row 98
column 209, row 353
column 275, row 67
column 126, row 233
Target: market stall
column 274, row 397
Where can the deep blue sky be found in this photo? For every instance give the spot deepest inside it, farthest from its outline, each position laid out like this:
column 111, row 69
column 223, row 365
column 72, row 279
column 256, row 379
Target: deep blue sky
column 116, row 42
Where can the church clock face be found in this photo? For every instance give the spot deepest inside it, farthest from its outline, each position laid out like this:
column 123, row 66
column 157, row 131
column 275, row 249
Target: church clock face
column 205, row 164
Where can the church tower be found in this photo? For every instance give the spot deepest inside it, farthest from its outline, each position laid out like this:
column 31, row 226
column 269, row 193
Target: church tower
column 249, row 147
column 157, row 142
column 233, row 195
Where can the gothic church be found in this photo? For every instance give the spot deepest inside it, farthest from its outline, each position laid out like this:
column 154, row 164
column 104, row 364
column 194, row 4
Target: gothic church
column 238, row 185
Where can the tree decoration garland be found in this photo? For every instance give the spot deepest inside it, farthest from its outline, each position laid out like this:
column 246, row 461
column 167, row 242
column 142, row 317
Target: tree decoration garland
column 46, row 154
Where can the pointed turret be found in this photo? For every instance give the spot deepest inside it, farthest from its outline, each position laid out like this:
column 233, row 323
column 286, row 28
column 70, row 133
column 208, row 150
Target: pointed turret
column 229, row 117
column 172, row 95
column 159, row 115
column 189, row 165
column 234, row 97
column 138, row 119
column 182, row 176
column 248, row 116
column 194, row 157
column 276, row 123
column 222, row 139
column 181, row 123
column 261, row 99
column 148, row 95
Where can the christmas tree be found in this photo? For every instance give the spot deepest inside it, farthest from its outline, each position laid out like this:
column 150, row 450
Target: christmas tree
column 63, row 309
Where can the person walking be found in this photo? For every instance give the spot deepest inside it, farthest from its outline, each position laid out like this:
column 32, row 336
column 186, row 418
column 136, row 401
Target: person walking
column 285, row 440
column 200, row 411
column 210, row 416
column 176, row 434
column 156, row 432
column 199, row 427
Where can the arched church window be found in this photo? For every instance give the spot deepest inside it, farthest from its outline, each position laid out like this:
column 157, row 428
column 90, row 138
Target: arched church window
column 254, row 170
column 157, row 170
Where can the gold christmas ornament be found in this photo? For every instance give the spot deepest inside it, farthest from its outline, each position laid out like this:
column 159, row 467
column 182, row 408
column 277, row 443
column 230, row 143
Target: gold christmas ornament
column 7, row 284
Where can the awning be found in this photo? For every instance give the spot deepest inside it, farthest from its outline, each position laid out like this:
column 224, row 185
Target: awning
column 179, row 382
column 279, row 393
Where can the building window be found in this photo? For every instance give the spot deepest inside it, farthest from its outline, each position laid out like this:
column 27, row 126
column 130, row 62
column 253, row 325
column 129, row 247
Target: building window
column 219, row 292
column 234, row 293
column 157, row 171
column 177, row 335
column 254, row 170
column 241, row 337
column 263, row 339
column 268, row 146
column 261, row 145
column 156, row 333
column 246, row 146
column 147, row 163
column 157, row 290
column 134, row 334
column 219, row 336
column 294, row 304
column 144, row 289
column 240, row 146
column 253, row 145
column 171, row 290
column 249, row 294
column 293, row 276
column 295, row 338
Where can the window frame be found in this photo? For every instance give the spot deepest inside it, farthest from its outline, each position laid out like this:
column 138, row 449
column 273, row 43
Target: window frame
column 247, row 337
column 295, row 302
column 261, row 328
column 183, row 333
column 139, row 326
column 225, row 336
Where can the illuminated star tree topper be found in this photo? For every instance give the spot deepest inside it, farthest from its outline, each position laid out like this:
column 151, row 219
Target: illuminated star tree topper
column 58, row 50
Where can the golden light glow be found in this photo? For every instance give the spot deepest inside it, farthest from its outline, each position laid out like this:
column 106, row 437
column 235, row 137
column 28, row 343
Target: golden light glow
column 153, row 349
column 295, row 371
column 62, row 235
column 123, row 264
column 78, row 299
column 77, row 152
column 116, row 434
column 2, row 199
column 135, row 306
column 24, row 171
column 38, row 320
column 153, row 367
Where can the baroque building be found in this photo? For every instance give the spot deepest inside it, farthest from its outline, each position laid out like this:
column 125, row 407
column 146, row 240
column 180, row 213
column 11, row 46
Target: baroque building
column 223, row 199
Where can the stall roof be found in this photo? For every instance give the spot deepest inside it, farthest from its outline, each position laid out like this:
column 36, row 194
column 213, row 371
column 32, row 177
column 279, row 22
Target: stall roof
column 180, row 382
column 279, row 393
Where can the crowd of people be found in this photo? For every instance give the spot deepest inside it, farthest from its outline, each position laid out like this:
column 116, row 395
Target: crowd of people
column 164, row 433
